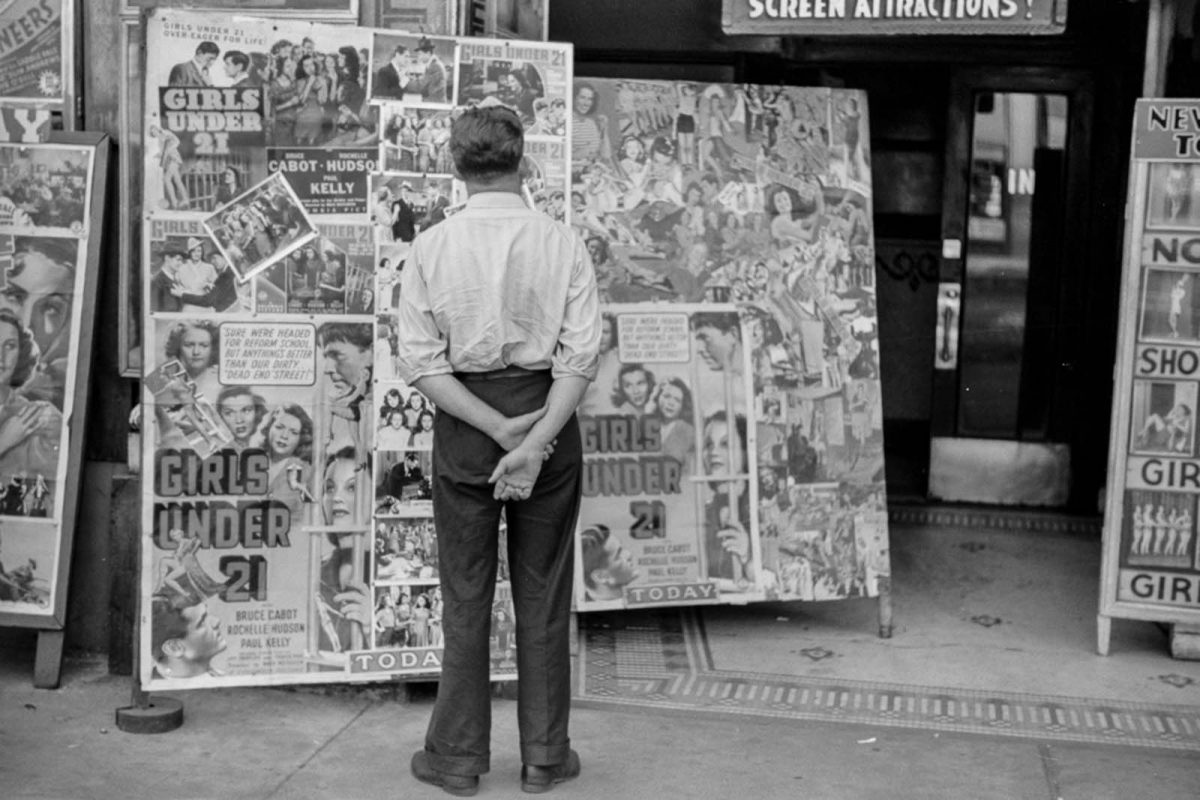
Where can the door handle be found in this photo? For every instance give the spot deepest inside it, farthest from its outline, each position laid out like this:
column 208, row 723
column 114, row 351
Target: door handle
column 948, row 309
column 947, row 352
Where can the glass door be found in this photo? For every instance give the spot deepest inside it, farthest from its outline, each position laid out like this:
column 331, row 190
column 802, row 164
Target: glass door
column 1004, row 313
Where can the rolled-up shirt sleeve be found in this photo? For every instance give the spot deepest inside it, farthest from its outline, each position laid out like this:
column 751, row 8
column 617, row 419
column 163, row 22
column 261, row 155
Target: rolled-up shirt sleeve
column 578, row 348
column 422, row 350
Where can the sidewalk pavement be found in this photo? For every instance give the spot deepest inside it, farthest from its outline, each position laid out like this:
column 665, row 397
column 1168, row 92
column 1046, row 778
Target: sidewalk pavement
column 355, row 742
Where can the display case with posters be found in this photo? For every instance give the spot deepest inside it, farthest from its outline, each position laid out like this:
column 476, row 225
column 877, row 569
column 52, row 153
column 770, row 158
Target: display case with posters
column 288, row 495
column 38, row 68
column 51, row 219
column 1151, row 563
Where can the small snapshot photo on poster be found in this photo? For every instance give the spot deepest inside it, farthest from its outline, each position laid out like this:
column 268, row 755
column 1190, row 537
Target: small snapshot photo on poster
column 44, row 187
column 26, row 573
column 389, row 266
column 413, row 68
column 1173, row 196
column 1159, row 529
column 405, row 419
column 260, row 227
column 406, row 549
column 415, row 139
column 189, row 274
column 517, row 84
column 405, row 205
column 1170, row 309
column 1164, row 418
column 403, row 482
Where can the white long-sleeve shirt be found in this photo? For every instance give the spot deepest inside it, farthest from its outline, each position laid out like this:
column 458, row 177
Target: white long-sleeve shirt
column 498, row 285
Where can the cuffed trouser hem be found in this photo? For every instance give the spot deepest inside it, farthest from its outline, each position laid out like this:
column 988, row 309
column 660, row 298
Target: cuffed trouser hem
column 540, row 755
column 465, row 766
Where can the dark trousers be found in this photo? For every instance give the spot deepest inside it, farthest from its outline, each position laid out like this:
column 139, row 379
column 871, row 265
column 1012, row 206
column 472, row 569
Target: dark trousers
column 541, row 538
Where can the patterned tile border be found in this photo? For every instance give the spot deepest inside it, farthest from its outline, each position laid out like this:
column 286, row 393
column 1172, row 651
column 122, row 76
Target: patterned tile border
column 994, row 518
column 662, row 661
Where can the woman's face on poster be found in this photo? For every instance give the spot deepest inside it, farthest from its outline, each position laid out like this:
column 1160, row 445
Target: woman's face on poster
column 284, row 435
column 716, row 448
column 10, row 352
column 585, row 98
column 195, row 349
column 670, row 401
column 783, row 203
column 341, row 484
column 636, row 387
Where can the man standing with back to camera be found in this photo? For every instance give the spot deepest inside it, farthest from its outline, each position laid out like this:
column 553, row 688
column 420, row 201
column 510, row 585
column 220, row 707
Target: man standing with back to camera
column 499, row 327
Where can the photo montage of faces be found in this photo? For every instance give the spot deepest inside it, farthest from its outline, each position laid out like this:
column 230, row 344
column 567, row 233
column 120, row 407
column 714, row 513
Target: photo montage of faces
column 288, row 166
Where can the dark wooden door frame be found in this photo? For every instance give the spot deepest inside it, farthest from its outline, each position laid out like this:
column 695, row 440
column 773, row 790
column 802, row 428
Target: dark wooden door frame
column 1078, row 86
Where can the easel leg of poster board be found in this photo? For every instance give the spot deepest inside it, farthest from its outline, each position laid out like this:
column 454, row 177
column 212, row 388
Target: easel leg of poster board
column 885, row 608
column 574, row 633
column 1103, row 633
column 47, row 663
column 145, row 714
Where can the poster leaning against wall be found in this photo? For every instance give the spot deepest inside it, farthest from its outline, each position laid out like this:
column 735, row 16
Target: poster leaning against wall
column 733, row 438
column 288, row 533
column 51, row 196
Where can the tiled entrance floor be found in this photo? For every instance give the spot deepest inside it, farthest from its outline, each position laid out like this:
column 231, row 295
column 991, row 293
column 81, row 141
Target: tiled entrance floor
column 994, row 619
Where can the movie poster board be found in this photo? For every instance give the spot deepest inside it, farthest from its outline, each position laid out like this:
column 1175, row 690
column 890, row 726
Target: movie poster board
column 132, row 15
column 1151, row 563
column 287, row 494
column 730, row 226
column 51, row 221
column 37, row 60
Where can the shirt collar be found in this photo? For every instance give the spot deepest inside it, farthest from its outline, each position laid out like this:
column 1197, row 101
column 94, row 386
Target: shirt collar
column 495, row 200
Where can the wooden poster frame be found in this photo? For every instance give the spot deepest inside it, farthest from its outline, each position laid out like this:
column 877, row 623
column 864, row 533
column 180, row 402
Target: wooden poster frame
column 1150, row 355
column 48, row 661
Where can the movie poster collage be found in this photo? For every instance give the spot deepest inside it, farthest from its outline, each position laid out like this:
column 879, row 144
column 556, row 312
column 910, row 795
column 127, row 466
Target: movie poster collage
column 754, row 202
column 45, row 194
column 289, row 498
column 1159, row 515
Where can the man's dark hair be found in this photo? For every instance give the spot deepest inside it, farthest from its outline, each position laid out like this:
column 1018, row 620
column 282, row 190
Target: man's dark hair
column 239, row 58
column 356, row 333
column 724, row 321
column 486, row 143
column 208, row 48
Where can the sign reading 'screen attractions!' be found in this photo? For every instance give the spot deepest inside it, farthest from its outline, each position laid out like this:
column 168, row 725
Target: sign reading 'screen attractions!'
column 874, row 17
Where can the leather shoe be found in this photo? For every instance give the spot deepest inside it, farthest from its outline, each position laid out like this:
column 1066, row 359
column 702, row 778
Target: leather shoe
column 458, row 785
column 536, row 780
